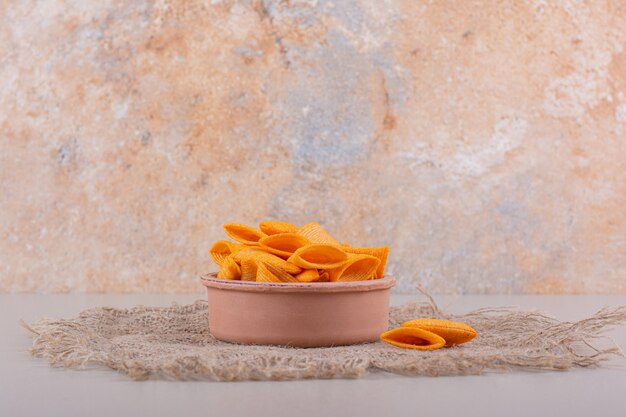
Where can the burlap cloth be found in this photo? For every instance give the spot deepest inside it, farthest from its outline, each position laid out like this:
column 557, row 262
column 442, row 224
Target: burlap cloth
column 175, row 343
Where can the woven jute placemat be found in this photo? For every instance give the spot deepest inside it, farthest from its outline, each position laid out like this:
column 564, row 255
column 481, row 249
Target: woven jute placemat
column 175, row 343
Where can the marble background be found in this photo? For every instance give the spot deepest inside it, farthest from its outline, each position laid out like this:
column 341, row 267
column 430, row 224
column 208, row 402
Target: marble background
column 484, row 141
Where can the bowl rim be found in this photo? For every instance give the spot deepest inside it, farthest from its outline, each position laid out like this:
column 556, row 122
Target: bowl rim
column 211, row 281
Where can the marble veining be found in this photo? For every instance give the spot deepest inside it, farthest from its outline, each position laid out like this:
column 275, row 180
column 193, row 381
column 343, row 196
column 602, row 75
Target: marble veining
column 483, row 141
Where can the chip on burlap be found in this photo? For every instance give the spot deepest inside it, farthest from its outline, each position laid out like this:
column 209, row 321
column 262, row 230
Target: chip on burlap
column 175, row 343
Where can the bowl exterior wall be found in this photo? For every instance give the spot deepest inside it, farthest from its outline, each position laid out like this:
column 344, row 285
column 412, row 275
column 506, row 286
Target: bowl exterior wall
column 299, row 319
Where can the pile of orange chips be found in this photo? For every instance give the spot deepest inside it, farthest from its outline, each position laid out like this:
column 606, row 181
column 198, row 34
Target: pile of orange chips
column 282, row 252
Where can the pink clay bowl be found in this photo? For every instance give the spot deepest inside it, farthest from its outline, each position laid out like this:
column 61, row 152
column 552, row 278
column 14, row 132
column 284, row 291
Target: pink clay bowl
column 312, row 314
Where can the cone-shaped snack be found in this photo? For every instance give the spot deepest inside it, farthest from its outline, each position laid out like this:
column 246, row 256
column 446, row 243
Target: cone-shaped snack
column 413, row 338
column 453, row 332
column 283, row 244
column 229, row 269
column 264, row 275
column 314, row 232
column 258, row 255
column 223, row 248
column 324, row 277
column 356, row 268
column 248, row 269
column 273, row 227
column 308, row 275
column 244, row 234
column 318, row 256
column 380, row 252
column 269, row 273
column 248, row 252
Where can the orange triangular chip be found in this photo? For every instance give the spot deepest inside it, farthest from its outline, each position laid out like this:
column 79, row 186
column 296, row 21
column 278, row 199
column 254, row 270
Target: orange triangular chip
column 259, row 255
column 264, row 275
column 223, row 248
column 229, row 269
column 453, row 332
column 318, row 256
column 244, row 234
column 308, row 275
column 269, row 273
column 283, row 244
column 248, row 252
column 413, row 338
column 272, row 227
column 379, row 252
column 316, row 234
column 356, row 268
column 248, row 269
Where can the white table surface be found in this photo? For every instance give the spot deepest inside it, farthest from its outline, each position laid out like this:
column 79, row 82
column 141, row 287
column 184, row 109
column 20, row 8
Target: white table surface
column 29, row 387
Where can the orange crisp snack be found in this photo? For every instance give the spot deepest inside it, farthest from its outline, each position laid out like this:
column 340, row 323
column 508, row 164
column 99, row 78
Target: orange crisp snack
column 244, row 234
column 283, row 244
column 319, row 256
column 453, row 332
column 356, row 268
column 429, row 334
column 222, row 249
column 283, row 252
column 413, row 338
column 273, row 227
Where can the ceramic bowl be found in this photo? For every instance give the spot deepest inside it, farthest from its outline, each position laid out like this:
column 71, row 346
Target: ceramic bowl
column 298, row 314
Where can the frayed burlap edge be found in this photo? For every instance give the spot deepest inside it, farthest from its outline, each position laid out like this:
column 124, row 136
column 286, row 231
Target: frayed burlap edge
column 174, row 343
